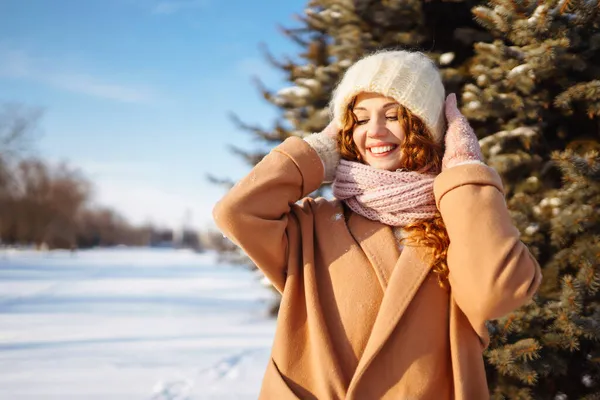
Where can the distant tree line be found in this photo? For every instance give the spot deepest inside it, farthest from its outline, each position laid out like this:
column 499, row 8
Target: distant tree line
column 50, row 206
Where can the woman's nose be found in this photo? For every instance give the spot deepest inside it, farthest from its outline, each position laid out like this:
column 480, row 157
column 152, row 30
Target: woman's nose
column 376, row 128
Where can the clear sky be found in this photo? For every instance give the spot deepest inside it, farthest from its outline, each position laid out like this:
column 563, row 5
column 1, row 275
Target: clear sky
column 137, row 92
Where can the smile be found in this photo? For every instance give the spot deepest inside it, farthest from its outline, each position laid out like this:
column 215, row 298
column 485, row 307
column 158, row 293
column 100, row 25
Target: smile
column 382, row 151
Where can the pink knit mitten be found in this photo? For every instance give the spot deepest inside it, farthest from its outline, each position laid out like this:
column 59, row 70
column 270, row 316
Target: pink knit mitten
column 461, row 143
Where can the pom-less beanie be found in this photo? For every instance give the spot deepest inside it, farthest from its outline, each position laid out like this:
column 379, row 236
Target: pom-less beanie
column 410, row 78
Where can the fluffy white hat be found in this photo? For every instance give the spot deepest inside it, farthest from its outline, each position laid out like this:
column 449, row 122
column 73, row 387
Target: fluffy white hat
column 410, row 78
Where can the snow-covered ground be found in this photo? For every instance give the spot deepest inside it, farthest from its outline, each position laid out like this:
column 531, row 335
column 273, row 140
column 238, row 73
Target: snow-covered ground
column 128, row 324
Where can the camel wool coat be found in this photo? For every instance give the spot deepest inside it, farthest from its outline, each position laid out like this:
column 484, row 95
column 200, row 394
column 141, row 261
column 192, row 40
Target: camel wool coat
column 359, row 318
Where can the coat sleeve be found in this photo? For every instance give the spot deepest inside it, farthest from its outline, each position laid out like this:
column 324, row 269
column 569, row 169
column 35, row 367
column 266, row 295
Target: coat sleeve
column 491, row 271
column 256, row 214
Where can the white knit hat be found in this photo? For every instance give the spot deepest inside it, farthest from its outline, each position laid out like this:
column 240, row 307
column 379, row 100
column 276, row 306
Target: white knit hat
column 410, row 78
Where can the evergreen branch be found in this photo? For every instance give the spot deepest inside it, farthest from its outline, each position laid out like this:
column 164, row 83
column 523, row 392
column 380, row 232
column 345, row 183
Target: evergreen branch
column 224, row 182
column 246, row 127
column 509, row 323
column 316, row 52
column 284, row 66
column 506, row 360
column 260, row 86
column 277, row 135
column 540, row 18
column 313, row 21
column 589, row 275
column 251, row 158
column 565, row 6
column 510, row 5
column 527, row 349
column 571, row 294
column 487, row 18
column 584, row 91
column 505, row 391
column 293, row 36
column 576, row 167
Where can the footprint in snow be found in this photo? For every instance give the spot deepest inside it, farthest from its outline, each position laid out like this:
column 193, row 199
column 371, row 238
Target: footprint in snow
column 172, row 390
column 228, row 367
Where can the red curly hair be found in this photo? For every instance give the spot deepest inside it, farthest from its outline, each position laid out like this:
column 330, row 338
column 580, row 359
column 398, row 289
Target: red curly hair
column 420, row 153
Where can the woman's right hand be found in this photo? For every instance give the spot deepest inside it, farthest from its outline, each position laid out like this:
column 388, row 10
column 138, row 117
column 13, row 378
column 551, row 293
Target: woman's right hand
column 325, row 144
column 331, row 130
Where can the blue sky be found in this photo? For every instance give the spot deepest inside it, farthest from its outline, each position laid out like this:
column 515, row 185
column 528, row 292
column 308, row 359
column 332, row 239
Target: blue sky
column 137, row 92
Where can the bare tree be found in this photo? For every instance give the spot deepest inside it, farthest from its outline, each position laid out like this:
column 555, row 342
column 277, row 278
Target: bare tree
column 18, row 127
column 42, row 204
column 18, row 130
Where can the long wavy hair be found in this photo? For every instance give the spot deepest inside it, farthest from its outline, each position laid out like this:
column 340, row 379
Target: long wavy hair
column 420, row 153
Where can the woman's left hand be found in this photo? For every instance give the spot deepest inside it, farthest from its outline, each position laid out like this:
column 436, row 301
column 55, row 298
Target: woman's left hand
column 460, row 141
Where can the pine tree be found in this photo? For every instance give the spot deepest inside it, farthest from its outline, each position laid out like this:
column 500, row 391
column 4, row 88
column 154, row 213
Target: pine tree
column 535, row 101
column 550, row 348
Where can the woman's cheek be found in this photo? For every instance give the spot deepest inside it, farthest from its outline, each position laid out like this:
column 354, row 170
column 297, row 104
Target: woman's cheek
column 359, row 138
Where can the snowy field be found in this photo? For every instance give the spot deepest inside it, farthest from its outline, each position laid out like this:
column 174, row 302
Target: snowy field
column 128, row 324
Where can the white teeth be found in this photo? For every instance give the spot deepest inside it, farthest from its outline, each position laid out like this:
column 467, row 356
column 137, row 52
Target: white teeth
column 382, row 149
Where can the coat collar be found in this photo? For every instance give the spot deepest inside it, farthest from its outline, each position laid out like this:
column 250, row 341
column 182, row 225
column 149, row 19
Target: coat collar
column 378, row 243
column 401, row 275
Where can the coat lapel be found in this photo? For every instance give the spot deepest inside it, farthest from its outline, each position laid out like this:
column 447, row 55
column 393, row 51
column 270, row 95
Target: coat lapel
column 378, row 243
column 408, row 274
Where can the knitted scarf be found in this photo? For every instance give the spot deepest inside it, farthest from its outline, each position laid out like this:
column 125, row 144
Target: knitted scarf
column 394, row 198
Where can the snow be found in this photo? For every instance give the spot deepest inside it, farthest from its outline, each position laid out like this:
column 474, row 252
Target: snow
column 309, row 83
column 532, row 229
column 293, row 91
column 446, row 58
column 482, row 80
column 495, row 149
column 535, row 17
column 553, row 202
column 518, row 70
column 522, row 131
column 130, row 324
column 345, row 63
column 473, row 105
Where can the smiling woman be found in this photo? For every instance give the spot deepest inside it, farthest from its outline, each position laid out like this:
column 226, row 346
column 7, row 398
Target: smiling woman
column 375, row 114
column 385, row 289
column 388, row 145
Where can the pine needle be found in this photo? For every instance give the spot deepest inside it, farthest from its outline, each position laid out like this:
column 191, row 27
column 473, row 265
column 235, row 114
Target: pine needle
column 508, row 323
column 566, row 6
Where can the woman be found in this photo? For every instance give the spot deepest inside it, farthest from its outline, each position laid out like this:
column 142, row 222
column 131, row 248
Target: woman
column 385, row 290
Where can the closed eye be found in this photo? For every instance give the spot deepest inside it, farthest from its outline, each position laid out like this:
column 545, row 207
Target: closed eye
column 389, row 117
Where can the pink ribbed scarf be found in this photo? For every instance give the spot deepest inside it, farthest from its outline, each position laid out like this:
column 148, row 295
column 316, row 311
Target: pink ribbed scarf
column 394, row 198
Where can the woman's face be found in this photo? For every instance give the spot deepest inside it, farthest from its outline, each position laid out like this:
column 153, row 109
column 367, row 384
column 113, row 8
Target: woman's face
column 378, row 135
